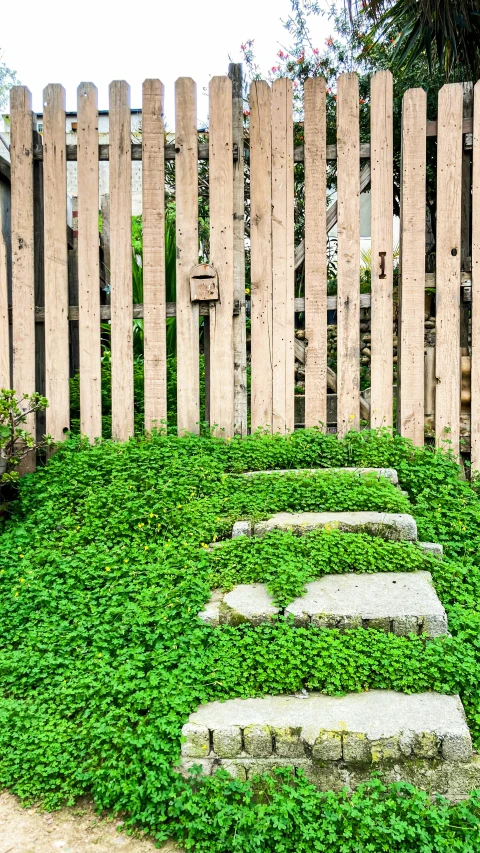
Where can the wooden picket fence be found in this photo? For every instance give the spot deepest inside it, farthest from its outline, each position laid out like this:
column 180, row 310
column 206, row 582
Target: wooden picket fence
column 273, row 304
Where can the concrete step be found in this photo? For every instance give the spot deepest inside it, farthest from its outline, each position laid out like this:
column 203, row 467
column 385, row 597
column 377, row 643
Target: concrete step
column 393, row 602
column 386, row 473
column 388, row 525
column 338, row 741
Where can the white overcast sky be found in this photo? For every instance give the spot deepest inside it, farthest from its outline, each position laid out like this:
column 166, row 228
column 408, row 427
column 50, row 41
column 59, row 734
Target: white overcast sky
column 101, row 40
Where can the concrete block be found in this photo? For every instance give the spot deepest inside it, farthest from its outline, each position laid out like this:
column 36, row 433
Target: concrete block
column 247, row 603
column 241, row 528
column 405, row 625
column 426, row 744
column 187, row 764
column 227, row 741
column 434, row 624
column 328, row 747
column 433, row 548
column 288, row 742
column 385, row 749
column 356, row 747
column 211, row 613
column 394, row 525
column 258, row 741
column 236, row 769
column 457, row 746
column 387, row 473
column 374, row 600
column 197, row 743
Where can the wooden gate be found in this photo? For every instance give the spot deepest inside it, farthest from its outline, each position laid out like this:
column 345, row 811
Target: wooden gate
column 38, row 169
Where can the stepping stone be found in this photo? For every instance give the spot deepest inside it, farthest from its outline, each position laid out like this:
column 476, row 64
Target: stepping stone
column 387, row 473
column 338, row 741
column 393, row 602
column 388, row 525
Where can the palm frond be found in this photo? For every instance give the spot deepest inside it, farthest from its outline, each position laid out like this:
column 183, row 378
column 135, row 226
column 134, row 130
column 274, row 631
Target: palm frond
column 444, row 30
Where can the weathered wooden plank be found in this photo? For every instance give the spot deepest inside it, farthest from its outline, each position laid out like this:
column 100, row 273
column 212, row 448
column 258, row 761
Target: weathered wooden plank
column 4, row 326
column 202, row 152
column 432, row 127
column 121, row 261
column 153, row 190
column 222, row 409
column 239, row 321
column 283, row 257
column 57, row 367
column 348, row 270
column 171, row 309
column 186, row 188
column 448, row 264
column 475, row 377
column 466, row 214
column 410, row 408
column 381, row 164
column 39, row 285
column 88, row 263
column 261, row 253
column 23, row 306
column 170, row 152
column 315, row 253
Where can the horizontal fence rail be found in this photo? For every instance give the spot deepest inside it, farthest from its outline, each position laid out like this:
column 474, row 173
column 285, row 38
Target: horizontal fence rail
column 70, row 295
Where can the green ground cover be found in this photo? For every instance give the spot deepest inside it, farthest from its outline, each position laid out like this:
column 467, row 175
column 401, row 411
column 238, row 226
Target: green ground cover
column 103, row 568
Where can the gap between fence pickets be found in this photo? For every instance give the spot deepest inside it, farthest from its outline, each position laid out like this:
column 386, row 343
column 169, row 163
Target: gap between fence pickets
column 103, row 150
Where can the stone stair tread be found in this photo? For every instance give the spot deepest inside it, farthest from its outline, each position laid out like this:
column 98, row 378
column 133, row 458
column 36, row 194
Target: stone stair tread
column 336, row 741
column 427, row 722
column 386, row 473
column 388, row 525
column 407, row 598
column 401, row 602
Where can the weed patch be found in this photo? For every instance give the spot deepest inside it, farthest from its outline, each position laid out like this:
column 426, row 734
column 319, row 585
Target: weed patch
column 103, row 570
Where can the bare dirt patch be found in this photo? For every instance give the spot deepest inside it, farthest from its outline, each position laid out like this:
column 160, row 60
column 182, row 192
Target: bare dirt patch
column 69, row 830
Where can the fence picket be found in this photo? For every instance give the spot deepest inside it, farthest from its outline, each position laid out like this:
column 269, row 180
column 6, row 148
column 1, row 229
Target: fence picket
column 348, row 271
column 57, row 371
column 283, row 273
column 88, row 263
column 261, row 253
column 186, row 191
column 411, row 407
column 315, row 252
column 154, row 298
column 121, row 261
column 239, row 324
column 448, row 262
column 475, row 379
column 381, row 118
column 4, row 332
column 23, row 305
column 222, row 410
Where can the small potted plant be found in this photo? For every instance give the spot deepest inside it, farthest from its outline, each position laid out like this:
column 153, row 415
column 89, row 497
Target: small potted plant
column 16, row 441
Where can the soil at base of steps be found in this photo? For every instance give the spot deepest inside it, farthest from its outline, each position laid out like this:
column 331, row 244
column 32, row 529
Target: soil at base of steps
column 69, row 830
